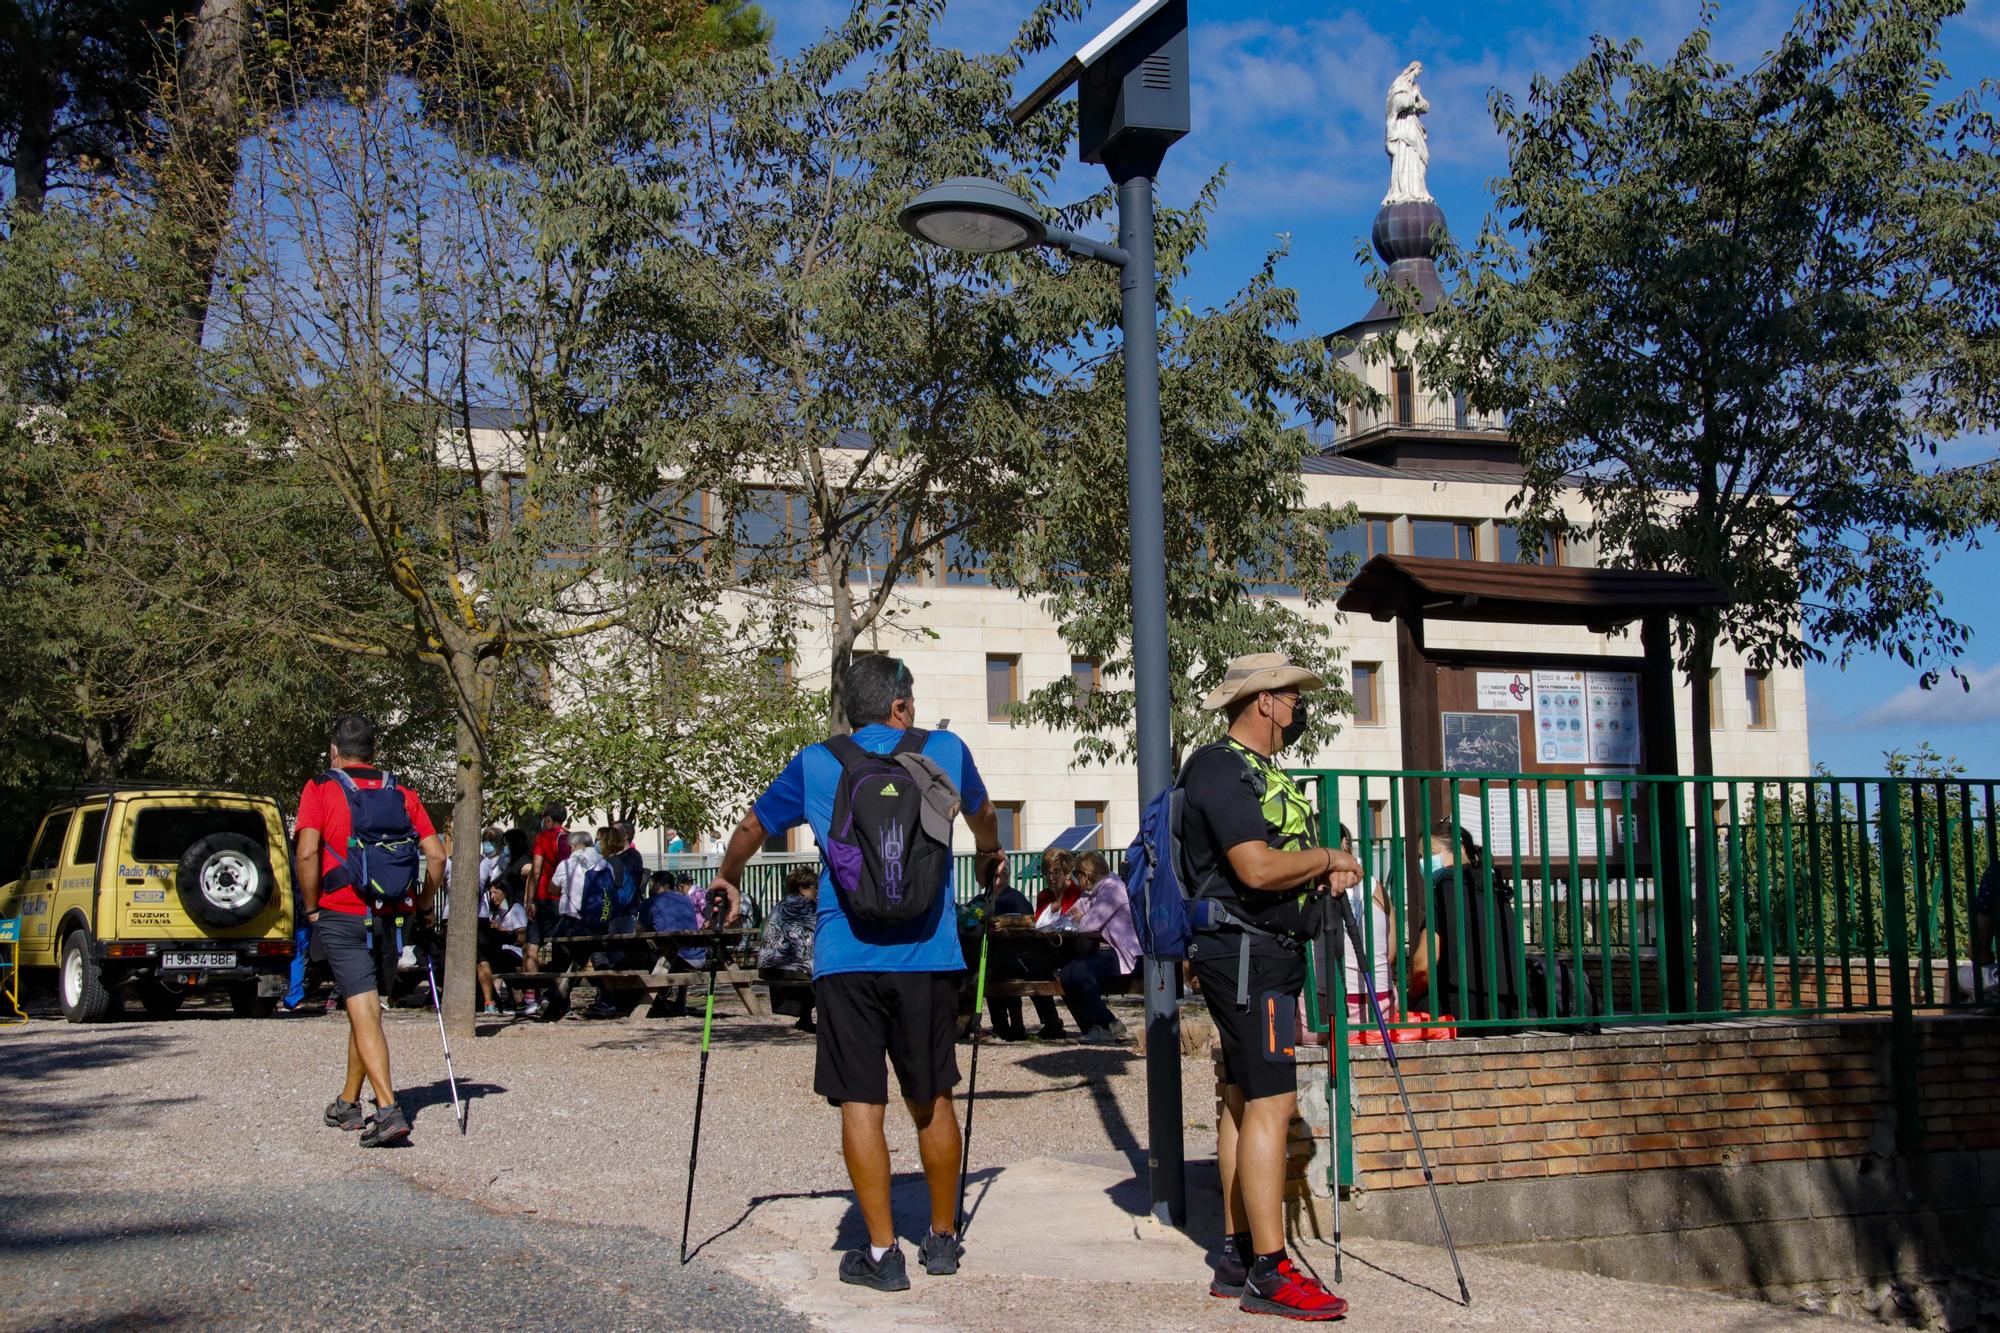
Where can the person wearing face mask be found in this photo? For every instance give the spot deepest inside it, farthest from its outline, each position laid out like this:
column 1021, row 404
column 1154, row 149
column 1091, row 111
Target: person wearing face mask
column 1248, row 833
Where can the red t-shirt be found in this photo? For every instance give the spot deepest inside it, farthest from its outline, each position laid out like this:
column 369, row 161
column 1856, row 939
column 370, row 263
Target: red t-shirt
column 552, row 845
column 323, row 805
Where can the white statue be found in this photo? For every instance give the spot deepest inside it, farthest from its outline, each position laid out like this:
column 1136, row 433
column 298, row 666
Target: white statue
column 1403, row 137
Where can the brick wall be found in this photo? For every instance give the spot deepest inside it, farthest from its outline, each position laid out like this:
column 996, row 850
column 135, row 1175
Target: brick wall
column 1731, row 1094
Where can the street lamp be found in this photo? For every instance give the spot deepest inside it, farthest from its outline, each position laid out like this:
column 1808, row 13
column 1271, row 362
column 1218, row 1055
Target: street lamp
column 1132, row 105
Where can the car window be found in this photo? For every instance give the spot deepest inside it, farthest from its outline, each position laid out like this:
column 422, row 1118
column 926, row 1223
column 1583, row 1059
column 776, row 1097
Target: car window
column 48, row 847
column 163, row 833
column 89, row 832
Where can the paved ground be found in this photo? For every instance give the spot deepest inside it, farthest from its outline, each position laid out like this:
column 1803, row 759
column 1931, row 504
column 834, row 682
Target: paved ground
column 175, row 1173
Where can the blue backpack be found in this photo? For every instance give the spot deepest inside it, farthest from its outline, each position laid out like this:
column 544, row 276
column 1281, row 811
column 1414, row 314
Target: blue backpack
column 599, row 884
column 380, row 860
column 627, row 889
column 1168, row 907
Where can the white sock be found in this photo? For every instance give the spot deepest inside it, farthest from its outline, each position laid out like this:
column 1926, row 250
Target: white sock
column 875, row 1252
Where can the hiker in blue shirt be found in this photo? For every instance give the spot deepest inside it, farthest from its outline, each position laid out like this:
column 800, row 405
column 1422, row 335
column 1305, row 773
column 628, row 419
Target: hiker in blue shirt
column 883, row 990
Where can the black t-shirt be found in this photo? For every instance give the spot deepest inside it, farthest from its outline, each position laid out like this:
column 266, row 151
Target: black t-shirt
column 1226, row 806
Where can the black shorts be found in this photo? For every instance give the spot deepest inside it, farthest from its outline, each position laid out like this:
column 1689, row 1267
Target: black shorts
column 911, row 1017
column 340, row 940
column 542, row 918
column 1259, row 1043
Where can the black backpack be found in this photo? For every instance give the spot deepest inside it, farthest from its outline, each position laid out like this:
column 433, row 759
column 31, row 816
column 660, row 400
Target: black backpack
column 886, row 865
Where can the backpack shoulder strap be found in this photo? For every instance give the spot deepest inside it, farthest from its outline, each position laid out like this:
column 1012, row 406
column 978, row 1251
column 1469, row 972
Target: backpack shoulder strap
column 388, row 780
column 339, row 776
column 845, row 749
column 912, row 741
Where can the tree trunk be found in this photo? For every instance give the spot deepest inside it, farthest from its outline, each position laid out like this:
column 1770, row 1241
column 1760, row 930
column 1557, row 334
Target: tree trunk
column 469, row 817
column 197, row 178
column 1701, row 660
column 33, row 137
column 842, row 634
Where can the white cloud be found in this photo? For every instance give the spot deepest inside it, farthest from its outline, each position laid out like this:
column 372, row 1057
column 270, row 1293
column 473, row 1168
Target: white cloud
column 1949, row 703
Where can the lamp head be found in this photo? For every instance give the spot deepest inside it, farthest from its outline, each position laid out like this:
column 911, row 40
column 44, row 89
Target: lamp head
column 974, row 216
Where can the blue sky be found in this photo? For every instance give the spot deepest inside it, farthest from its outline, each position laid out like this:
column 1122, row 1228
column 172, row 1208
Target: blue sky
column 1288, row 98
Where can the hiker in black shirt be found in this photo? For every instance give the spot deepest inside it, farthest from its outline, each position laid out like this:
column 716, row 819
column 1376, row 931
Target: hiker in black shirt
column 1248, row 833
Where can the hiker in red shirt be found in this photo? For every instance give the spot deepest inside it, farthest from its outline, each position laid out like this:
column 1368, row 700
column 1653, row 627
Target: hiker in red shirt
column 327, row 853
column 551, row 849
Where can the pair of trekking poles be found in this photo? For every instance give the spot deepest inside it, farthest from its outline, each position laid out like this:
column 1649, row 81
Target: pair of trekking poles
column 708, row 1023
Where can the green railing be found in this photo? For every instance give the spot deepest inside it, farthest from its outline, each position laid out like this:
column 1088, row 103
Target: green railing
column 1615, row 899
column 764, row 878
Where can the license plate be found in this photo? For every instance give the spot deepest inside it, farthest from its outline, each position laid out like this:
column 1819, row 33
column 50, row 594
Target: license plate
column 197, row 960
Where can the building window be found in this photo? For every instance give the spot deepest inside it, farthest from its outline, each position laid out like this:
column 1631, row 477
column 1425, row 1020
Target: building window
column 1003, row 686
column 1353, row 546
column 1087, row 674
column 1403, row 394
column 1009, row 815
column 1510, row 547
column 1371, row 822
column 778, row 843
column 1757, row 695
column 766, row 531
column 1711, row 706
column 1461, row 416
column 1443, row 539
column 1090, row 812
column 1367, row 690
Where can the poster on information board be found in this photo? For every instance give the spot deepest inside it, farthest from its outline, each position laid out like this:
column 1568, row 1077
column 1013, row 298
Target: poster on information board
column 1560, row 737
column 1482, row 743
column 1613, row 708
column 1508, row 690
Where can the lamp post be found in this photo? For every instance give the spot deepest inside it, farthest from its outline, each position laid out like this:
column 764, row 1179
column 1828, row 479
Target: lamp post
column 1132, row 105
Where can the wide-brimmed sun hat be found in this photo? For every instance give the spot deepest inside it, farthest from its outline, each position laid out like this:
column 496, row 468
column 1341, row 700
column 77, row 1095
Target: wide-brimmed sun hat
column 1257, row 672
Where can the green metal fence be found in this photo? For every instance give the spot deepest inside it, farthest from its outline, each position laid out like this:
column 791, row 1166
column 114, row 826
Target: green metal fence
column 1523, row 901
column 764, row 878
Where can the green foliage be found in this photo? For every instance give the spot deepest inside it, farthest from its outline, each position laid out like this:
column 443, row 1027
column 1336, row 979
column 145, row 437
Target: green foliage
column 81, row 85
column 1739, row 311
column 932, row 414
column 677, row 739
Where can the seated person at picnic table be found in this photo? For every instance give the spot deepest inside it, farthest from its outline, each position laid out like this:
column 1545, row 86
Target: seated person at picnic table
column 1059, row 889
column 1013, row 960
column 787, row 948
column 670, row 908
column 1985, row 915
column 501, row 925
column 1106, row 908
column 698, row 895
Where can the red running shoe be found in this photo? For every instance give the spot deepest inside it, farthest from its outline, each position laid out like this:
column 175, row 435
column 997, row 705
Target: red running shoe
column 1290, row 1294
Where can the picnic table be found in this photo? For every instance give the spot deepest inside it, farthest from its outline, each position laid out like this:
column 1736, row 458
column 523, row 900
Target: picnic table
column 647, row 962
column 1046, row 948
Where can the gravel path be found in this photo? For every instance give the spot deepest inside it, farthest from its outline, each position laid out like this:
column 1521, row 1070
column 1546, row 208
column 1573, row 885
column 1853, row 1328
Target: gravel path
column 200, row 1137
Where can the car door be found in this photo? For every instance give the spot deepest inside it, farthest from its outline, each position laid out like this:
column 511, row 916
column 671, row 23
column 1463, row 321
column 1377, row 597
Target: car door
column 38, row 889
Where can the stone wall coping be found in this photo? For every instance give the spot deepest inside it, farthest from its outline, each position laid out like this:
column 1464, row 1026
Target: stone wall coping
column 1636, row 1034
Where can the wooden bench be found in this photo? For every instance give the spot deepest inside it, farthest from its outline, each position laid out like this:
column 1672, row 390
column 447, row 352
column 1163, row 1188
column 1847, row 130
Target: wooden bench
column 1021, row 990
column 742, row 980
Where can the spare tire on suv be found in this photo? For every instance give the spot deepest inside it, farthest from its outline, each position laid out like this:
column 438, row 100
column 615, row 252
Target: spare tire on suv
column 225, row 879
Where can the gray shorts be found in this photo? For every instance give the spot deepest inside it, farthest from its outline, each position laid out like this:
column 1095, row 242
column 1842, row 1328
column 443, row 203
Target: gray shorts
column 340, row 940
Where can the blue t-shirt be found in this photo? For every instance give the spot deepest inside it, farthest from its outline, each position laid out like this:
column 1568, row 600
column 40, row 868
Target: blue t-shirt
column 803, row 794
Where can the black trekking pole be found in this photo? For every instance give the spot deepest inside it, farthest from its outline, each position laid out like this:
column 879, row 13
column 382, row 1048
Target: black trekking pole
column 1389, row 1049
column 972, row 1084
column 718, row 909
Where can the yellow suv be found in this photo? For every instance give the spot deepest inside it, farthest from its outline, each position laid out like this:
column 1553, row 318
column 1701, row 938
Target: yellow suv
column 157, row 890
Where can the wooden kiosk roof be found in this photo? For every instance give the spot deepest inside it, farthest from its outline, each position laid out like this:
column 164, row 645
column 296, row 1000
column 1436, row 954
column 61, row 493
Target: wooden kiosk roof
column 1482, row 590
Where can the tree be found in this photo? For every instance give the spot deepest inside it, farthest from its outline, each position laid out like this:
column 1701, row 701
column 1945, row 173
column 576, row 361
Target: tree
column 410, row 326
column 1738, row 312
column 1232, row 390
column 666, row 736
column 82, row 89
column 875, row 412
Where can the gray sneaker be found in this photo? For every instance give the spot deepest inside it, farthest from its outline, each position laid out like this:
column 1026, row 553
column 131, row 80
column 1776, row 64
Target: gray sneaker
column 345, row 1115
column 940, row 1253
column 891, row 1274
column 388, row 1127
column 1114, row 1033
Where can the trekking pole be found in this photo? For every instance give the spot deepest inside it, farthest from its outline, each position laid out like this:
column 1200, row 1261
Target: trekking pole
column 437, row 1006
column 972, row 1084
column 1389, row 1049
column 701, row 1080
column 1332, row 960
